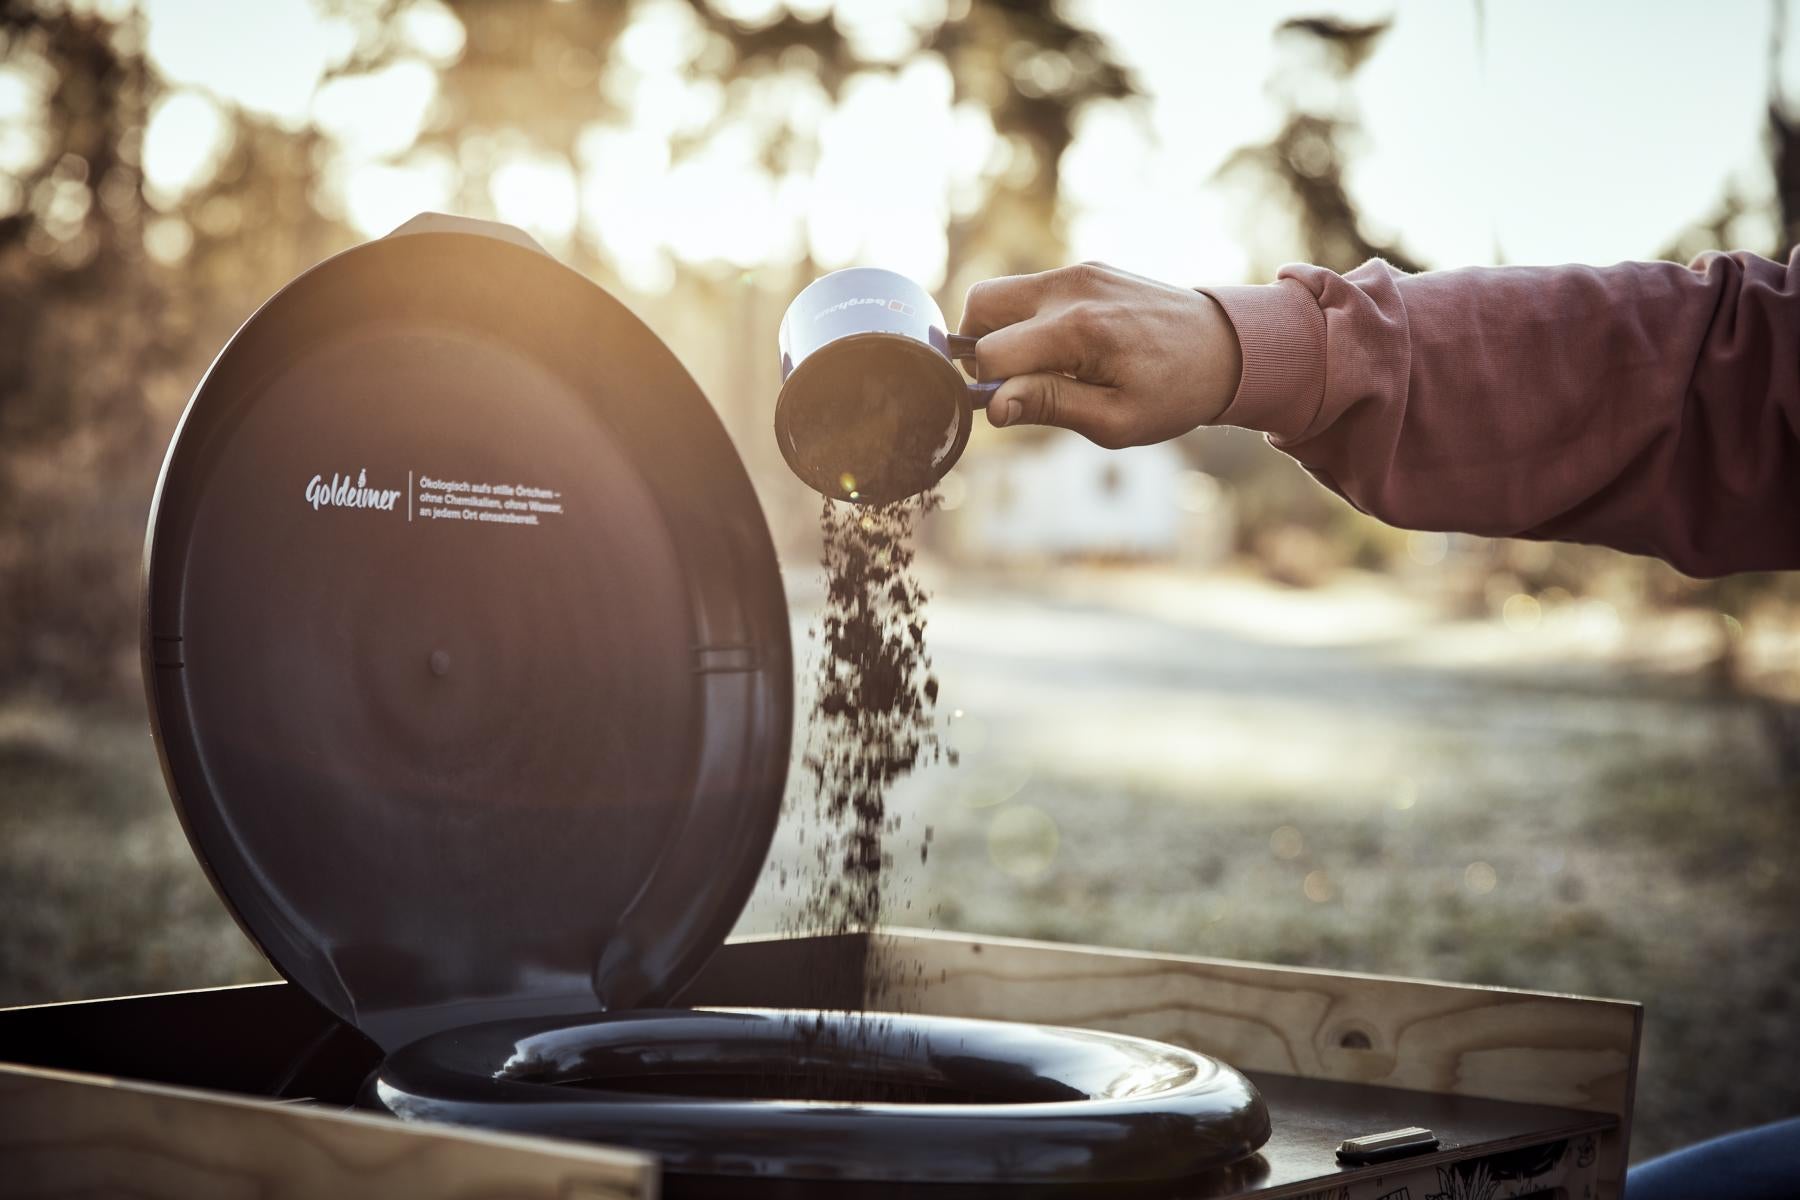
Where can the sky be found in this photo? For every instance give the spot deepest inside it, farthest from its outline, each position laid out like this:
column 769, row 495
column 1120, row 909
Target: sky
column 1585, row 132
column 1588, row 132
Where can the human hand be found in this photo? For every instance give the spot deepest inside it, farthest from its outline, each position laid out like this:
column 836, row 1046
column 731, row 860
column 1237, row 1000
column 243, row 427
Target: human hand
column 1118, row 358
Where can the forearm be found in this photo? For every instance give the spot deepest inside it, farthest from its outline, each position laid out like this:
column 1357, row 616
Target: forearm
column 1646, row 406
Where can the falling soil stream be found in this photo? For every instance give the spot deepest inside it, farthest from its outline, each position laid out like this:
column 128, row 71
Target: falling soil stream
column 869, row 724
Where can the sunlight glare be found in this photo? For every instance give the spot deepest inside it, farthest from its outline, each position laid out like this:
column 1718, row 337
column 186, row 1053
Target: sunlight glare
column 538, row 194
column 971, row 156
column 721, row 206
column 879, row 193
column 267, row 56
column 1128, row 207
column 186, row 138
column 22, row 141
column 622, row 174
column 755, row 13
column 20, row 100
column 378, row 197
column 880, row 30
column 379, row 113
column 663, row 37
column 433, row 30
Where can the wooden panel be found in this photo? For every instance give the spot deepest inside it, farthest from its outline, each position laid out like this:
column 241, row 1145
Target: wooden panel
column 75, row 1135
column 1449, row 1039
column 1452, row 1039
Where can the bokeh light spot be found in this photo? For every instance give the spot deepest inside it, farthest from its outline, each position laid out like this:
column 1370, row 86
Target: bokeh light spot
column 167, row 239
column 186, row 138
column 1480, row 878
column 1022, row 841
column 537, row 193
column 1200, row 492
column 1522, row 613
column 993, row 783
column 1426, row 548
column 967, row 735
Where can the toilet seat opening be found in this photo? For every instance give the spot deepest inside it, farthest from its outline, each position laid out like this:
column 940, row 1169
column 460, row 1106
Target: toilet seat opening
column 780, row 1084
column 826, row 1057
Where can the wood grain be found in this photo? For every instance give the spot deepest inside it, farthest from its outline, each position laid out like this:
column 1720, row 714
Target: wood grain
column 1450, row 1039
column 63, row 1134
column 84, row 1135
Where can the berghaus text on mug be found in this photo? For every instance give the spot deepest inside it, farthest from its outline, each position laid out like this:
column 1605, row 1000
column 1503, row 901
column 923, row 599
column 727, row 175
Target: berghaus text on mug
column 342, row 492
column 899, row 306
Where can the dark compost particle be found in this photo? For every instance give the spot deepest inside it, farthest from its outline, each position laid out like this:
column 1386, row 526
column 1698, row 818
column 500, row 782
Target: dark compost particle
column 869, row 725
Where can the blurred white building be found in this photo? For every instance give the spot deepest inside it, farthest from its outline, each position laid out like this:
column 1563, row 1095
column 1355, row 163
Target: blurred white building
column 1064, row 497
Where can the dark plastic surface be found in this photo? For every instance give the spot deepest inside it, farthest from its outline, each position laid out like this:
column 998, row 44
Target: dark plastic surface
column 449, row 770
column 999, row 1102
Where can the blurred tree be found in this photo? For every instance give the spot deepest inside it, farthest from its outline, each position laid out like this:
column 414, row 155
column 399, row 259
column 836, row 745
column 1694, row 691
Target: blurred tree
column 72, row 293
column 115, row 297
column 1300, row 171
column 1783, row 138
column 1297, row 205
column 105, row 341
column 536, row 77
column 1739, row 221
column 1033, row 72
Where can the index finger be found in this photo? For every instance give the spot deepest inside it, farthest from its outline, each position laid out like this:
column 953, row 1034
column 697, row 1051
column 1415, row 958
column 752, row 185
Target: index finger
column 996, row 303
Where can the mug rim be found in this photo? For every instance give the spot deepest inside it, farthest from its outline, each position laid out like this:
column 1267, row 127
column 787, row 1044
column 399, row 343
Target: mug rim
column 965, row 411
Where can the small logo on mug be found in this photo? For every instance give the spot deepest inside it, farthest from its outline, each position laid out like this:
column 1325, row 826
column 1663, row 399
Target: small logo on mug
column 899, row 306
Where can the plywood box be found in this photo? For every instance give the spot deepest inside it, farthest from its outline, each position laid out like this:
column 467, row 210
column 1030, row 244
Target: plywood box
column 172, row 1095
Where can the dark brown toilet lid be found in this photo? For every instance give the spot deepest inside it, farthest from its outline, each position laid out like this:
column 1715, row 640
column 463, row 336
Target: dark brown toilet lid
column 465, row 646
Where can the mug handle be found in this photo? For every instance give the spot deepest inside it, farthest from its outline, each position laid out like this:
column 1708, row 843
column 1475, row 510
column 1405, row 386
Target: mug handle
column 962, row 350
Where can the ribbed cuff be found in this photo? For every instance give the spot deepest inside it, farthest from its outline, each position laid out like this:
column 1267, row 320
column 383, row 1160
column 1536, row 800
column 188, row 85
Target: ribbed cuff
column 1281, row 333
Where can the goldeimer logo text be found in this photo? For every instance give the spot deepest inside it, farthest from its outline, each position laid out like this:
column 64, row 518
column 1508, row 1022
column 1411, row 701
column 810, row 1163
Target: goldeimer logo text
column 342, row 493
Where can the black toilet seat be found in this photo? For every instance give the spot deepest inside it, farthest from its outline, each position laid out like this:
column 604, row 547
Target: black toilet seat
column 997, row 1102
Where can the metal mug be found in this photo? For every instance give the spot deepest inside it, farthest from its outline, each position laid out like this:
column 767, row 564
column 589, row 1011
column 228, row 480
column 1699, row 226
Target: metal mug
column 872, row 407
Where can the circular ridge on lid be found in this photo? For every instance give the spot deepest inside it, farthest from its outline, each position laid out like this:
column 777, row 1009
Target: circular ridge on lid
column 464, row 640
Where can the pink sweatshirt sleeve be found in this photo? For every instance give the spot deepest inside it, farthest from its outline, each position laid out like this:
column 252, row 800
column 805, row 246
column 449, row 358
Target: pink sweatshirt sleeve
column 1646, row 406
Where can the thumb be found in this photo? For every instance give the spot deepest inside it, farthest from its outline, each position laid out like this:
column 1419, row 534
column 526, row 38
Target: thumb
column 1047, row 398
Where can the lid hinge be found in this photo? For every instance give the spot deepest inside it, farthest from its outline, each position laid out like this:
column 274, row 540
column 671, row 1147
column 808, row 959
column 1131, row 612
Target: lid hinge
column 165, row 651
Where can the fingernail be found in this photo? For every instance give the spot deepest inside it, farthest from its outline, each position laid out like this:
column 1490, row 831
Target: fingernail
column 1004, row 412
